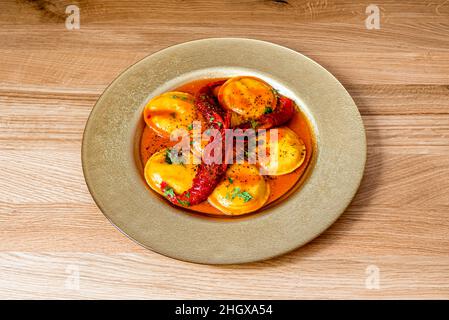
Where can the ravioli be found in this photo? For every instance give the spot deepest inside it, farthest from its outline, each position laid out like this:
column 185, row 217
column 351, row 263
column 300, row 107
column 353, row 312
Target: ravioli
column 243, row 190
column 177, row 176
column 241, row 102
column 170, row 111
column 248, row 97
column 283, row 156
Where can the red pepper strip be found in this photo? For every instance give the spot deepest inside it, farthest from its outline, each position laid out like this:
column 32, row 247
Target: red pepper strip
column 284, row 111
column 208, row 175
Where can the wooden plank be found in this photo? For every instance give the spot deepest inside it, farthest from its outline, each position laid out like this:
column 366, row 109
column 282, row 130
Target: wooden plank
column 411, row 46
column 170, row 11
column 43, row 275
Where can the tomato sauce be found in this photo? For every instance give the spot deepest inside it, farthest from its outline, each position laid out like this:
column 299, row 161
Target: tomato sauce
column 151, row 143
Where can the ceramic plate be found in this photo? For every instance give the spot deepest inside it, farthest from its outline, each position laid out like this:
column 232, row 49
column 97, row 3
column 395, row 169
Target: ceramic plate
column 113, row 171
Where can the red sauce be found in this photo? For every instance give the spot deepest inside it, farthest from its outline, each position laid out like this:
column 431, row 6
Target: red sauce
column 151, row 143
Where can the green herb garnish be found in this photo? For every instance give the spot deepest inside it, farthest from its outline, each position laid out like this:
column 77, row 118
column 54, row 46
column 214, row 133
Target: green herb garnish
column 184, row 203
column 168, row 155
column 254, row 124
column 268, row 110
column 169, row 192
column 235, row 192
column 245, row 196
column 173, row 157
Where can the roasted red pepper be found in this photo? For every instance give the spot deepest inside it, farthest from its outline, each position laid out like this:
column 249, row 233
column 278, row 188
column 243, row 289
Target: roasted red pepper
column 208, row 175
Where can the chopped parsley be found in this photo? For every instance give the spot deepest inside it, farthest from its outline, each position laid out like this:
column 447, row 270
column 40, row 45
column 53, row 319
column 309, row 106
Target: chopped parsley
column 245, row 196
column 179, row 97
column 236, row 192
column 254, row 124
column 168, row 155
column 169, row 192
column 230, row 180
column 173, row 157
column 184, row 203
column 268, row 110
column 190, row 127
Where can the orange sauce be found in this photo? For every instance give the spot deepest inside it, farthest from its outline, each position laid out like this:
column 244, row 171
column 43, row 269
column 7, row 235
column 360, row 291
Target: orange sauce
column 151, row 142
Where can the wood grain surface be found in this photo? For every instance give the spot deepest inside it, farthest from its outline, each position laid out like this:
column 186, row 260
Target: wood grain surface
column 397, row 227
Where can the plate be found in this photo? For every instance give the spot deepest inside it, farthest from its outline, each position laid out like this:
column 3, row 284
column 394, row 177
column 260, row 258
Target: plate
column 113, row 171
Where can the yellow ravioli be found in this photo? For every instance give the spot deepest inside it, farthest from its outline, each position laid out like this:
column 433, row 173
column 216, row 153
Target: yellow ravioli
column 177, row 176
column 249, row 97
column 282, row 156
column 170, row 111
column 243, row 190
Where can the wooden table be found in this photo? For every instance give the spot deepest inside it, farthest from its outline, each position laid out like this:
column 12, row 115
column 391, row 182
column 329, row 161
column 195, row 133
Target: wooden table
column 392, row 242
